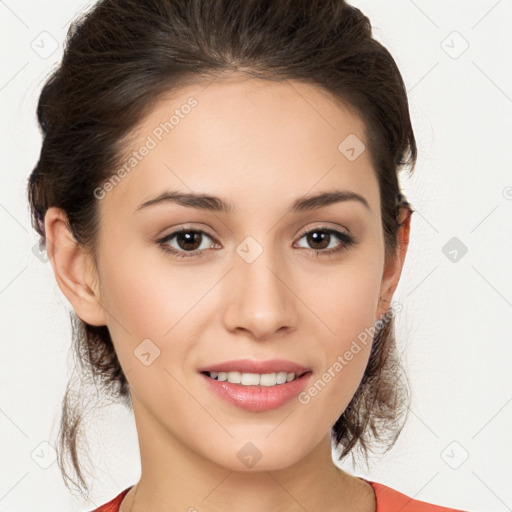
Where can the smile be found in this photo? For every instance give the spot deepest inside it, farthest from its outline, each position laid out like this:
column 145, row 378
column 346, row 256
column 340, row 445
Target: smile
column 253, row 379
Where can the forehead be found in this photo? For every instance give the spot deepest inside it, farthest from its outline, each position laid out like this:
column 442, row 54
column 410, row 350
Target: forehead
column 242, row 138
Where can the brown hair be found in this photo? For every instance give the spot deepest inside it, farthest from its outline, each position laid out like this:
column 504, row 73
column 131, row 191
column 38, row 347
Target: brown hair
column 121, row 56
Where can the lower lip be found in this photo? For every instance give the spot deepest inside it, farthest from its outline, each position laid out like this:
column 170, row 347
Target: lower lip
column 257, row 398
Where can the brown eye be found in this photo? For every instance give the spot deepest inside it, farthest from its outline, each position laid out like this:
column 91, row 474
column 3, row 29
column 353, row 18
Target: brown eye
column 187, row 241
column 320, row 239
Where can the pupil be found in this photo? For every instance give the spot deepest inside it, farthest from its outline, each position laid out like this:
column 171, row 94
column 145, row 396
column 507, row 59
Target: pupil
column 188, row 238
column 315, row 236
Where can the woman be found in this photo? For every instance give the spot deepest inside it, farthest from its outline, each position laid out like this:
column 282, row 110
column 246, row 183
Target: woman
column 218, row 194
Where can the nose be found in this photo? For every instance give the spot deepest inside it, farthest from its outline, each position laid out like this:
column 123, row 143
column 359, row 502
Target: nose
column 261, row 298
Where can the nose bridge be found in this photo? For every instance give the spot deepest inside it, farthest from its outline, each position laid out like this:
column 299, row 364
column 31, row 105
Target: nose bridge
column 261, row 301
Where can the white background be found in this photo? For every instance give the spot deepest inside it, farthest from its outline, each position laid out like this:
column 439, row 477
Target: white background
column 454, row 329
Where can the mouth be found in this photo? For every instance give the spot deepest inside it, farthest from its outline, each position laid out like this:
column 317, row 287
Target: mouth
column 257, row 392
column 255, row 379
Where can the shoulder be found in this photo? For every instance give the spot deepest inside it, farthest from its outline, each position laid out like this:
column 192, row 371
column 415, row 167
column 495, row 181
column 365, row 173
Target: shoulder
column 113, row 504
column 389, row 499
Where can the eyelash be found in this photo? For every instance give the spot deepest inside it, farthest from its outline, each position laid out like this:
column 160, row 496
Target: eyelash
column 347, row 241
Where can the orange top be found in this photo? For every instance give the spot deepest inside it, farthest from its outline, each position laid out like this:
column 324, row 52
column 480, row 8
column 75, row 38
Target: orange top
column 388, row 500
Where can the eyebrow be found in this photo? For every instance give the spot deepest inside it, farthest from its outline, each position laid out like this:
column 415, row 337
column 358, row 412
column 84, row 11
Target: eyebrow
column 218, row 205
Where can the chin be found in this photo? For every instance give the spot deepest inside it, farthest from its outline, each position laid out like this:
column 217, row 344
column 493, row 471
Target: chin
column 257, row 454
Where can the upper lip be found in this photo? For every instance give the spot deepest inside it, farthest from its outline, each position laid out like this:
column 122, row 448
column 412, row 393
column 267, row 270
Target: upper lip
column 252, row 366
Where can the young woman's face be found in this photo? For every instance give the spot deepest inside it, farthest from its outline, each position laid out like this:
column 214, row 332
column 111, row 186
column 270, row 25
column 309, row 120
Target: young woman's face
column 262, row 281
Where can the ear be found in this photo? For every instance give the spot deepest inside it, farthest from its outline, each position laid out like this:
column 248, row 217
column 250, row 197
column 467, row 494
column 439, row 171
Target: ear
column 74, row 268
column 393, row 268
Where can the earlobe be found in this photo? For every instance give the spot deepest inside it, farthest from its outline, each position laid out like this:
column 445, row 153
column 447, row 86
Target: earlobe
column 73, row 268
column 393, row 269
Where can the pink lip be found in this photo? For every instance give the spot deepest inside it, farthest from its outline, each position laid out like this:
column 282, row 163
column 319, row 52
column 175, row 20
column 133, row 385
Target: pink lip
column 257, row 398
column 251, row 366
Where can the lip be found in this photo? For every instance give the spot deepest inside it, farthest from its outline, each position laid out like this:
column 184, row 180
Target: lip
column 252, row 366
column 257, row 398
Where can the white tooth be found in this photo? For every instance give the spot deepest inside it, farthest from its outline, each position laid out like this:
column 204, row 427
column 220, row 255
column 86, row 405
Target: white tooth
column 281, row 378
column 234, row 377
column 268, row 379
column 250, row 379
column 253, row 379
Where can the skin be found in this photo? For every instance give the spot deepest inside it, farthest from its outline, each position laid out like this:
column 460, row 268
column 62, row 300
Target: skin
column 259, row 145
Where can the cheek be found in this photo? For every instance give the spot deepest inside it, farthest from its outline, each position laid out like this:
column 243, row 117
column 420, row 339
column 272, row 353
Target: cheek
column 145, row 293
column 344, row 359
column 345, row 300
column 345, row 295
column 148, row 308
column 148, row 298
column 346, row 306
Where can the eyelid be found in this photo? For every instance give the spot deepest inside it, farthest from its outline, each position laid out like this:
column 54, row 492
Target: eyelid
column 177, row 231
column 343, row 235
column 325, row 226
column 301, row 233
